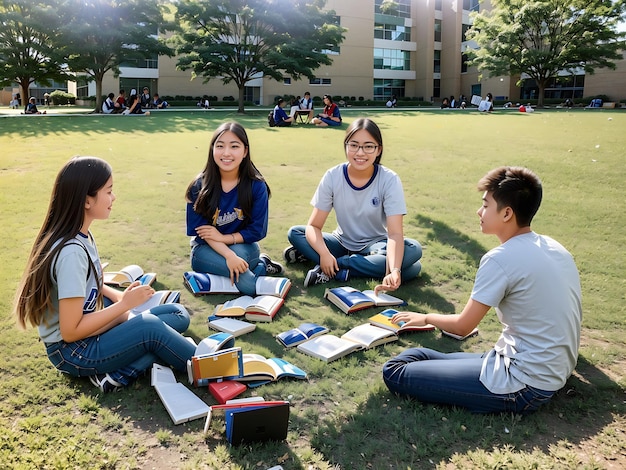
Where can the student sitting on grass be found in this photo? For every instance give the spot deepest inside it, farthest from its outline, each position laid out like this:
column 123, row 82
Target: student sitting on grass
column 62, row 292
column 369, row 206
column 330, row 116
column 227, row 212
column 280, row 116
column 534, row 286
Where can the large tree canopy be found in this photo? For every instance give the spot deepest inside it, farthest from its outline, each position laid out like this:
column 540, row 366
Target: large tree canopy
column 100, row 35
column 28, row 31
column 543, row 37
column 238, row 40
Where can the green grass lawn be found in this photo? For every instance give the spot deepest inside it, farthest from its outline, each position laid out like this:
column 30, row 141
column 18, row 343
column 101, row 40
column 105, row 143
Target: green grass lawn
column 342, row 417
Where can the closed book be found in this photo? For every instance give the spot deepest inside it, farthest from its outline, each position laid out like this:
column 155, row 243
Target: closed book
column 226, row 390
column 383, row 320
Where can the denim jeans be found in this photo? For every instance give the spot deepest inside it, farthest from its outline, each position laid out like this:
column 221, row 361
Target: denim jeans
column 453, row 379
column 129, row 349
column 205, row 259
column 370, row 262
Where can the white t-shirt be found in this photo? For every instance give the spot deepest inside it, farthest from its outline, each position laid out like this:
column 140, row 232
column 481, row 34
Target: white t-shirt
column 533, row 283
column 361, row 212
column 72, row 277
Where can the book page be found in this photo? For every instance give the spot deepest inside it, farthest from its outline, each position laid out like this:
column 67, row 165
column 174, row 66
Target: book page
column 268, row 285
column 383, row 299
column 284, row 368
column 369, row 335
column 231, row 325
column 328, row 347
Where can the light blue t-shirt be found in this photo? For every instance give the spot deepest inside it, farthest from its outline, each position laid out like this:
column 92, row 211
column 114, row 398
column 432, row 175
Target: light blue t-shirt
column 533, row 283
column 361, row 212
column 72, row 277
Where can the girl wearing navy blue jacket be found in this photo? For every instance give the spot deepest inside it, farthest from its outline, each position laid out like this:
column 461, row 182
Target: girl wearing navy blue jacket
column 227, row 212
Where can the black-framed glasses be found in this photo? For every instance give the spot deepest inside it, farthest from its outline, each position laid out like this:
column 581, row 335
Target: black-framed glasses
column 367, row 148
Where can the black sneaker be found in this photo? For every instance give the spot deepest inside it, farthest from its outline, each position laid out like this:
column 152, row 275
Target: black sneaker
column 293, row 256
column 315, row 276
column 271, row 267
column 105, row 383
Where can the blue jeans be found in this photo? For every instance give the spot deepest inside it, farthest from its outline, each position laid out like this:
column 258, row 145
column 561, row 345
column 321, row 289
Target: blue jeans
column 205, row 259
column 370, row 262
column 453, row 379
column 129, row 349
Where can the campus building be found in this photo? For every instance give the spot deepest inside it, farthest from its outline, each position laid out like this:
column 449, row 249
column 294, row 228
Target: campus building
column 416, row 51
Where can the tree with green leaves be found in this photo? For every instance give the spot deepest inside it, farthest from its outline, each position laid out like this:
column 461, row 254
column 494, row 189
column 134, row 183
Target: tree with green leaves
column 28, row 31
column 100, row 35
column 544, row 37
column 240, row 40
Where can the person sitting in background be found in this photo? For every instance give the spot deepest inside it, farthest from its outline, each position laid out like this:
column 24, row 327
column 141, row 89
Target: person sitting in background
column 121, row 100
column 134, row 106
column 108, row 105
column 145, row 100
column 158, row 103
column 392, row 102
column 445, row 103
column 31, row 107
column 452, row 102
column 331, row 115
column 280, row 116
column 14, row 104
column 294, row 106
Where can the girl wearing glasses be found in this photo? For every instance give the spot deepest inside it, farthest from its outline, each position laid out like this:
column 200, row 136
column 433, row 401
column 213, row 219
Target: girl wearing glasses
column 369, row 206
column 331, row 115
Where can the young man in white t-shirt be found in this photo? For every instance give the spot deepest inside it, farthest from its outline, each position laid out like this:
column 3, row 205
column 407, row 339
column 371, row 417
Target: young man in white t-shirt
column 533, row 284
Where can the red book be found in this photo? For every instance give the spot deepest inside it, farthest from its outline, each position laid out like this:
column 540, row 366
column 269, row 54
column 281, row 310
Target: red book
column 226, row 390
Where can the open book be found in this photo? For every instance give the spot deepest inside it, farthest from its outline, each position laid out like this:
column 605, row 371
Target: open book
column 126, row 276
column 224, row 364
column 205, row 283
column 181, row 403
column 474, row 332
column 383, row 320
column 349, row 300
column 259, row 308
column 215, row 342
column 160, row 297
column 258, row 370
column 303, row 333
column 230, row 325
column 331, row 347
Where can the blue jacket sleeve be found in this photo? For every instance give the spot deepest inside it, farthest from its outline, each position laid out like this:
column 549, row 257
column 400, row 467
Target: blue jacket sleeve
column 257, row 228
column 194, row 219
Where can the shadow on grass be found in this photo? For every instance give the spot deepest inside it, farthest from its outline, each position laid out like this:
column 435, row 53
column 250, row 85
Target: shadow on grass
column 387, row 431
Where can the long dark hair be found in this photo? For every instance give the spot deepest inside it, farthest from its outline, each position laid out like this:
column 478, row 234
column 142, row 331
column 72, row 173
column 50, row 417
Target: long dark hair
column 79, row 178
column 371, row 127
column 208, row 198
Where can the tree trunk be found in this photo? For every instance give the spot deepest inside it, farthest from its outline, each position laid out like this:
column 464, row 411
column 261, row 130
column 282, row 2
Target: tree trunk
column 24, row 84
column 98, row 77
column 542, row 86
column 240, row 109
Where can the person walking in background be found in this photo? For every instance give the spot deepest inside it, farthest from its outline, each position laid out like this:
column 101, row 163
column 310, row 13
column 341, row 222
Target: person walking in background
column 533, row 284
column 227, row 212
column 330, row 116
column 369, row 206
column 63, row 295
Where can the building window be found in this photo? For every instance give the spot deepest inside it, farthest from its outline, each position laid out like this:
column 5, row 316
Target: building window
column 464, row 29
column 319, row 81
column 464, row 60
column 151, row 63
column 436, row 88
column 82, row 87
column 286, row 80
column 437, row 62
column 392, row 32
column 392, row 59
column 399, row 8
column 385, row 88
column 471, row 5
column 438, row 5
column 437, row 30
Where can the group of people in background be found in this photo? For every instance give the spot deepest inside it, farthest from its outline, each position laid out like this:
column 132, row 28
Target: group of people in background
column 529, row 279
column 134, row 104
column 330, row 115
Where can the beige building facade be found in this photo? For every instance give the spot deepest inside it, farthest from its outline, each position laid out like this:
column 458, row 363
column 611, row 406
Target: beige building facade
column 415, row 51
